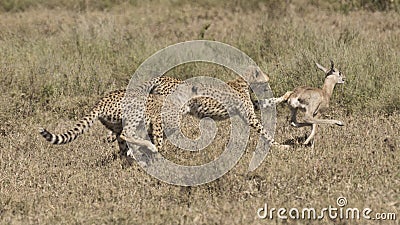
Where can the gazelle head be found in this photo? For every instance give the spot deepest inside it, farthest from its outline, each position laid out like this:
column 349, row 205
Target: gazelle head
column 332, row 73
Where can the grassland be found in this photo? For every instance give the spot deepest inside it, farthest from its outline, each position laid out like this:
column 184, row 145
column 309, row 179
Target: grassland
column 57, row 59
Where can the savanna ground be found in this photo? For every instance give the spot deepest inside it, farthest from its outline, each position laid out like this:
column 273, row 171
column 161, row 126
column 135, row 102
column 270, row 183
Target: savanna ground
column 58, row 58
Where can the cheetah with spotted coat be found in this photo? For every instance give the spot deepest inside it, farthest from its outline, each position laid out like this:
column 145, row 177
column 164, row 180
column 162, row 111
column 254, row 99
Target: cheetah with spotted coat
column 109, row 111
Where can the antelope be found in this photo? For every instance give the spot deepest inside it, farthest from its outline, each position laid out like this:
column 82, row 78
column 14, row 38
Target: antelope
column 311, row 100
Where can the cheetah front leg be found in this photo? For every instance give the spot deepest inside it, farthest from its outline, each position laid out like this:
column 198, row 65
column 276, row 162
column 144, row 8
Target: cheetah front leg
column 126, row 152
column 140, row 142
column 134, row 151
column 157, row 132
column 134, row 123
column 123, row 150
column 256, row 124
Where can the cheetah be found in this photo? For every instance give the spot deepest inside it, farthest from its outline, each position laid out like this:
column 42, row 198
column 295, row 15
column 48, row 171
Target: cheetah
column 109, row 110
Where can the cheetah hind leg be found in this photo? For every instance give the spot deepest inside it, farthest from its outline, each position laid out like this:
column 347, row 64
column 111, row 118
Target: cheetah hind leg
column 111, row 137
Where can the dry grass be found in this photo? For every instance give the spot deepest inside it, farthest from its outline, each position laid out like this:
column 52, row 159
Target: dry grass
column 55, row 63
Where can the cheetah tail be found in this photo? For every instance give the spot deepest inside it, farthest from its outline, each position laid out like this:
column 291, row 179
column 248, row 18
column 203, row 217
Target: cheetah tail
column 84, row 124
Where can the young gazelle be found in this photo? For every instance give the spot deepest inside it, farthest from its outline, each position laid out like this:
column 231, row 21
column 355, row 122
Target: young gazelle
column 311, row 100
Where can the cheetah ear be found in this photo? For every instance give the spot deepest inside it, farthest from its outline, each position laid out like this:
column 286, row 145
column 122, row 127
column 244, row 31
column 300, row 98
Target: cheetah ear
column 321, row 68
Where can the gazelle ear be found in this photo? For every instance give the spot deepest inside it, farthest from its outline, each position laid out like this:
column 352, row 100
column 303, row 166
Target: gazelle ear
column 332, row 65
column 321, row 68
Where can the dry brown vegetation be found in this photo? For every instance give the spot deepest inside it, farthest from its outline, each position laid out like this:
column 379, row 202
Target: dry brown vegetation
column 57, row 60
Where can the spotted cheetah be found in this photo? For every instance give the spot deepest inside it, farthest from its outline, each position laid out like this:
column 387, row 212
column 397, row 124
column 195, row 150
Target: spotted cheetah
column 109, row 110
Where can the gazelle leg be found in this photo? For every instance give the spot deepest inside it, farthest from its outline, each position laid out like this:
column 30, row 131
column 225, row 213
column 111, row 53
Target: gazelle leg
column 311, row 137
column 293, row 114
column 323, row 121
column 293, row 120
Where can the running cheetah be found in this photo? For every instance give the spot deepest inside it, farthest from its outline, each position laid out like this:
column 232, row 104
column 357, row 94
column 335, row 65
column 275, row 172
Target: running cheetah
column 109, row 110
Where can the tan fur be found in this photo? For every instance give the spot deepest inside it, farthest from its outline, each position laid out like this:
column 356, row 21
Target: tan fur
column 313, row 100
